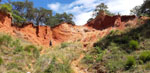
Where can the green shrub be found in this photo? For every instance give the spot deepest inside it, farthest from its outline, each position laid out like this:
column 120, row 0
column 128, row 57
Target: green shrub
column 32, row 49
column 133, row 44
column 6, row 8
column 29, row 48
column 145, row 56
column 88, row 59
column 56, row 67
column 17, row 18
column 114, row 65
column 1, row 60
column 99, row 50
column 99, row 54
column 5, row 40
column 17, row 46
column 64, row 45
column 147, row 67
column 130, row 62
column 18, row 49
column 12, row 66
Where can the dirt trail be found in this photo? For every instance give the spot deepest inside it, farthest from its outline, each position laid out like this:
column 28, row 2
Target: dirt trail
column 75, row 65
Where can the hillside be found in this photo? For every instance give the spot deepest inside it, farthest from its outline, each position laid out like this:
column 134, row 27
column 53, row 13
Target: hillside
column 44, row 35
column 68, row 48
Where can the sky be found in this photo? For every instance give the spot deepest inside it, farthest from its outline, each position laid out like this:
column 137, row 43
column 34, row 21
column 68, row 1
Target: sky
column 83, row 9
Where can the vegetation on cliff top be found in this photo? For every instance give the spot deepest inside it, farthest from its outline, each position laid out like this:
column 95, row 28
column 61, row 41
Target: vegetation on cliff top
column 23, row 11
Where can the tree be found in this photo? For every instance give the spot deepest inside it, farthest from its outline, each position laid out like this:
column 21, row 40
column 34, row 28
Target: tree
column 143, row 10
column 42, row 15
column 6, row 8
column 59, row 18
column 23, row 11
column 136, row 10
column 102, row 7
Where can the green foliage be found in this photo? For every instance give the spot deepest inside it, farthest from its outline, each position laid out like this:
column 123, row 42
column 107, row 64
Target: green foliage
column 142, row 10
column 114, row 65
column 145, row 56
column 130, row 62
column 147, row 67
column 16, row 44
column 100, row 54
column 136, row 10
column 32, row 49
column 133, row 44
column 1, row 61
column 6, row 8
column 23, row 11
column 12, row 66
column 56, row 67
column 17, row 19
column 5, row 40
column 64, row 45
column 100, row 8
column 145, row 8
column 88, row 59
column 123, row 43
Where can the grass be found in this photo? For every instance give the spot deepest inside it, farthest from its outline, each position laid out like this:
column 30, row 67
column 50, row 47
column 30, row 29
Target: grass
column 133, row 44
column 130, row 62
column 123, row 52
column 15, row 57
column 145, row 56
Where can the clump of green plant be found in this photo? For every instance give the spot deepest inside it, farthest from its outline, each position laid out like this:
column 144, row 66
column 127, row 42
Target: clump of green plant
column 88, row 59
column 63, row 45
column 145, row 56
column 133, row 44
column 130, row 62
column 100, row 53
column 32, row 49
column 6, row 8
column 1, row 61
column 17, row 46
column 147, row 67
column 57, row 67
column 114, row 65
column 17, row 19
column 12, row 66
column 5, row 40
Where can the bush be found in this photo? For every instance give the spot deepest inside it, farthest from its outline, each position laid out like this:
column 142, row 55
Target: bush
column 133, row 44
column 17, row 18
column 145, row 56
column 5, row 40
column 32, row 49
column 64, row 45
column 6, row 8
column 17, row 45
column 88, row 59
column 1, row 60
column 130, row 62
column 56, row 67
column 100, row 53
column 12, row 66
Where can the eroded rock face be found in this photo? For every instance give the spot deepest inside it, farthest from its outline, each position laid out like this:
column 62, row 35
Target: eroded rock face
column 103, row 21
column 47, row 36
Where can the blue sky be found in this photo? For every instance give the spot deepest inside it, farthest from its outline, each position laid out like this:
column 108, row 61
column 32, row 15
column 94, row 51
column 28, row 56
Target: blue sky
column 83, row 9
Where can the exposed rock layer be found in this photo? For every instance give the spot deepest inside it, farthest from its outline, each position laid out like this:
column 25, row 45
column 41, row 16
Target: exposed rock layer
column 47, row 36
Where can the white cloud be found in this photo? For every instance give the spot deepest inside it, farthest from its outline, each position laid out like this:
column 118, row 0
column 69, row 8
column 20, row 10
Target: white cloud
column 123, row 6
column 54, row 6
column 83, row 17
column 82, row 9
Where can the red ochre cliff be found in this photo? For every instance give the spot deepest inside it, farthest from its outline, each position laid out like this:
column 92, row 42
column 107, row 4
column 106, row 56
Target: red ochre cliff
column 47, row 36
